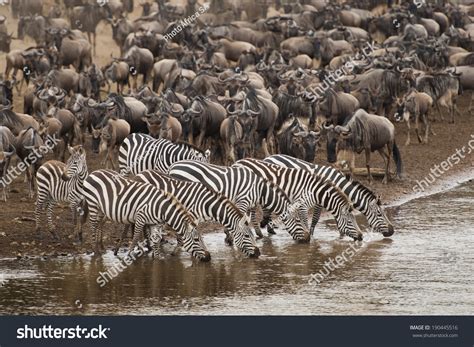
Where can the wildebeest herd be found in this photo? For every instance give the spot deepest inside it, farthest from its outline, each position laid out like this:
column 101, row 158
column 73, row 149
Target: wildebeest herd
column 227, row 89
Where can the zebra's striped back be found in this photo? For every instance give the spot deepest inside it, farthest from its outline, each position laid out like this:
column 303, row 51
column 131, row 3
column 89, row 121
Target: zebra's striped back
column 303, row 187
column 140, row 152
column 242, row 187
column 206, row 204
column 362, row 198
column 131, row 202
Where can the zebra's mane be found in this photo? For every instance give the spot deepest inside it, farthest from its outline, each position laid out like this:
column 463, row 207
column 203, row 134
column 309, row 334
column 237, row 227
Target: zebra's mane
column 187, row 144
column 365, row 189
column 332, row 184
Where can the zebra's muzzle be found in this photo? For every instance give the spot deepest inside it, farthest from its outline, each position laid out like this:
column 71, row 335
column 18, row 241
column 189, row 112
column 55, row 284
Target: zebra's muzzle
column 305, row 239
column 255, row 253
column 206, row 257
column 390, row 231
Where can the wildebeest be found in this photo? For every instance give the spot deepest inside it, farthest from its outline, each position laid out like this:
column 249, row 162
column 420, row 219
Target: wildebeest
column 206, row 118
column 415, row 105
column 111, row 137
column 367, row 133
column 86, row 18
column 295, row 140
column 118, row 72
column 7, row 150
column 443, row 88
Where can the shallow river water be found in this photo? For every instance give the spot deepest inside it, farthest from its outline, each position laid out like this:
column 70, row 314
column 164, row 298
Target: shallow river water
column 426, row 267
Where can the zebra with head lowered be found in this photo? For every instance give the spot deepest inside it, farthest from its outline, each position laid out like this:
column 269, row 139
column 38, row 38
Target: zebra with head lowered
column 245, row 189
column 129, row 202
column 307, row 191
column 205, row 204
column 361, row 197
column 59, row 182
column 140, row 152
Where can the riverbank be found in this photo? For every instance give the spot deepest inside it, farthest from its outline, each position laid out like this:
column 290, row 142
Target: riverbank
column 17, row 227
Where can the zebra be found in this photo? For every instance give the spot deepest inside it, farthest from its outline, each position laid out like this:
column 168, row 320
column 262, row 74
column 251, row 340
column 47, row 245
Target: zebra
column 59, row 182
column 308, row 191
column 245, row 189
column 129, row 202
column 362, row 197
column 140, row 152
column 205, row 204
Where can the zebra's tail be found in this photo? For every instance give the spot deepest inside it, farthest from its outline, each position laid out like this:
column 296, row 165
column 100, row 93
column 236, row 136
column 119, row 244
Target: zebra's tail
column 398, row 159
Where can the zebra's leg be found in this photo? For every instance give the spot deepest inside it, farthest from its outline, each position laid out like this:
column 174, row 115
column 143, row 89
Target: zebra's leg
column 267, row 221
column 122, row 236
column 94, row 220
column 39, row 210
column 156, row 236
column 49, row 213
column 138, row 230
column 253, row 218
column 315, row 218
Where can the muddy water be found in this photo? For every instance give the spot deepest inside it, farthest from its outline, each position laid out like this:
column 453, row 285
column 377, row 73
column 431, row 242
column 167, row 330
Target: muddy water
column 427, row 267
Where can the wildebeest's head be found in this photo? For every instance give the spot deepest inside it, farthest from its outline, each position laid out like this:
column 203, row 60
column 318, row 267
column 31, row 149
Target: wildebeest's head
column 6, row 93
column 308, row 141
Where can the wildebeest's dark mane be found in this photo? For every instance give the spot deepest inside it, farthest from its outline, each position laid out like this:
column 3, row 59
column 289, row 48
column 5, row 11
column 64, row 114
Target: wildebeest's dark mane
column 9, row 118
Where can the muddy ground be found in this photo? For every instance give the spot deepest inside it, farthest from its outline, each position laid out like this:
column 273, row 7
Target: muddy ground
column 17, row 234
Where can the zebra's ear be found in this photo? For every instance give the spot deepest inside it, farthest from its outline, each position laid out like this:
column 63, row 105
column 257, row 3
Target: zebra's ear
column 70, row 149
column 207, row 153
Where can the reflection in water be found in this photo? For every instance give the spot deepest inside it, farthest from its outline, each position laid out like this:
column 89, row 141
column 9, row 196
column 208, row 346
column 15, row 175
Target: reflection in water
column 427, row 267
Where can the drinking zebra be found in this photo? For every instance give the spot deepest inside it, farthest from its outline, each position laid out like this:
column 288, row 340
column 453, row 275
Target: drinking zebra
column 140, row 152
column 59, row 182
column 245, row 189
column 205, row 204
column 129, row 202
column 308, row 191
column 362, row 198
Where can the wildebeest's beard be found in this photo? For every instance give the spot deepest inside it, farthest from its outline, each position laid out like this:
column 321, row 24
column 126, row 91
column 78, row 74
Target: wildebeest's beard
column 331, row 148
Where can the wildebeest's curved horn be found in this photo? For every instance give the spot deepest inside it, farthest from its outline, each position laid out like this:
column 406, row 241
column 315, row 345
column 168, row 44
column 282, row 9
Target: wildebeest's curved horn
column 261, row 66
column 231, row 112
column 196, row 111
column 226, row 79
column 328, row 126
column 277, row 67
column 340, row 129
column 301, row 133
column 280, row 77
column 43, row 95
column 91, row 102
column 249, row 111
column 244, row 77
column 175, row 108
column 9, row 154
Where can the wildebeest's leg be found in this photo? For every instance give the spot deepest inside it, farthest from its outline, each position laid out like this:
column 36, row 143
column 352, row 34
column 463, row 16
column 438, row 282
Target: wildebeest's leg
column 407, row 142
column 427, row 127
column 417, row 123
column 367, row 164
column 438, row 108
column 470, row 102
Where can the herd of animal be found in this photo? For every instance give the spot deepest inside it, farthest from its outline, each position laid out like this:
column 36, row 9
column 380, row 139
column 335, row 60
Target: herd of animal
column 226, row 89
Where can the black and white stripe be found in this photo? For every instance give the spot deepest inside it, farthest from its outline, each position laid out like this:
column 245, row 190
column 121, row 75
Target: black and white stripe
column 59, row 182
column 140, row 152
column 206, row 204
column 310, row 192
column 130, row 202
column 361, row 197
column 245, row 189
